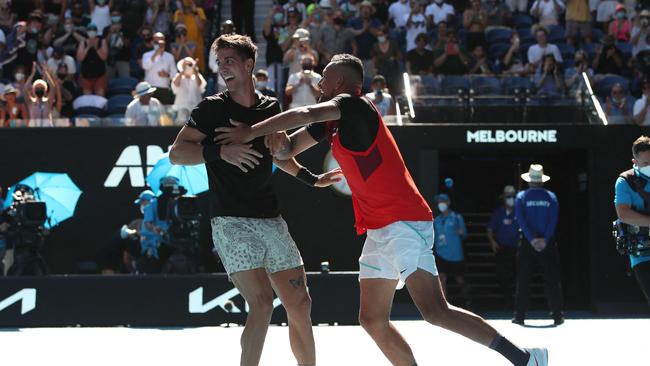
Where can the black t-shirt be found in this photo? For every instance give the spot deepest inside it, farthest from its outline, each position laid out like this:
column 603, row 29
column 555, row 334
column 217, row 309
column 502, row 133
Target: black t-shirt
column 234, row 192
column 357, row 127
column 420, row 62
column 274, row 52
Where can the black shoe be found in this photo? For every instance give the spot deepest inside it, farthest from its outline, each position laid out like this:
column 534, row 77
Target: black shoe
column 558, row 319
column 518, row 320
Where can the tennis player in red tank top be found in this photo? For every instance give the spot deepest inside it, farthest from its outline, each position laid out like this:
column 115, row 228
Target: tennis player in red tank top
column 387, row 206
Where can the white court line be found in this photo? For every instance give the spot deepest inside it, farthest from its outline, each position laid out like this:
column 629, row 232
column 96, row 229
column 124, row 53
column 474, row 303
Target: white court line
column 577, row 342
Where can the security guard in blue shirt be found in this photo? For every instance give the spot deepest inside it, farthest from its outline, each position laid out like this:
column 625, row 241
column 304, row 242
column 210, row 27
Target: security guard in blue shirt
column 151, row 234
column 537, row 211
column 632, row 208
column 503, row 234
column 450, row 230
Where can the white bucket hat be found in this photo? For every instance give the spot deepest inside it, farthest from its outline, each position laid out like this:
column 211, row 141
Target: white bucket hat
column 143, row 88
column 535, row 174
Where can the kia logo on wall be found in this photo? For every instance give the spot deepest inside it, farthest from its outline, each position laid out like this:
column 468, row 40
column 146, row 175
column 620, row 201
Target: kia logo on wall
column 27, row 298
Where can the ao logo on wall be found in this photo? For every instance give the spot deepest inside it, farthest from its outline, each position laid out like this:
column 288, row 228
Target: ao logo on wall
column 131, row 163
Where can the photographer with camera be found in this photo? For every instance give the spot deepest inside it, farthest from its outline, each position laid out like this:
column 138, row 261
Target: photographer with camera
column 303, row 85
column 632, row 201
column 22, row 226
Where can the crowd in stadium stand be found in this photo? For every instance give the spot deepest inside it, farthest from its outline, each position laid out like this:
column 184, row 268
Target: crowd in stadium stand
column 89, row 58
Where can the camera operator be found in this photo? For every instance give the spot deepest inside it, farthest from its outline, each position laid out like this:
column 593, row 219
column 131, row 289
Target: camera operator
column 119, row 253
column 152, row 232
column 24, row 232
column 632, row 202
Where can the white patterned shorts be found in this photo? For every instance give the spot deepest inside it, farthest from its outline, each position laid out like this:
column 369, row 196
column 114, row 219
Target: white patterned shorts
column 245, row 243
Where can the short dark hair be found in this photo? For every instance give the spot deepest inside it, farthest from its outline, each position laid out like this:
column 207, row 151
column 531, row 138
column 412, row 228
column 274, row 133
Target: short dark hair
column 421, row 37
column 640, row 145
column 349, row 62
column 379, row 79
column 242, row 44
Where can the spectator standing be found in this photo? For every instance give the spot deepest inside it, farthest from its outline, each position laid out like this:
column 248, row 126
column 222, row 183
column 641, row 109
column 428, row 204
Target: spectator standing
column 243, row 13
column 542, row 48
column 92, row 54
column 69, row 38
column 302, row 86
column 547, row 11
column 380, row 97
column 119, row 54
column 386, row 57
column 518, row 6
column 367, row 25
column 605, row 12
column 512, row 62
column 420, row 60
column 619, row 107
column 160, row 68
column 182, row 47
column 194, row 19
column 416, row 23
column 42, row 97
column 503, row 234
column 276, row 35
column 79, row 17
column 301, row 47
column 452, row 58
column 537, row 211
column 475, row 20
column 439, row 11
column 144, row 110
column 449, row 232
column 641, row 115
column 13, row 111
column 336, row 38
column 548, row 79
column 640, row 33
column 7, row 16
column 608, row 59
column 188, row 86
column 499, row 15
column 578, row 22
column 398, row 12
column 262, row 83
column 69, row 89
column 100, row 14
column 158, row 16
column 298, row 7
column 620, row 27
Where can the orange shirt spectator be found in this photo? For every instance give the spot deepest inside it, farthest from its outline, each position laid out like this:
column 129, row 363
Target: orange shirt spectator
column 194, row 19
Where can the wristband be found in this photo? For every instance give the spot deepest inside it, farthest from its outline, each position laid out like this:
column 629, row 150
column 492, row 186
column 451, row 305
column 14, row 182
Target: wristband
column 211, row 153
column 307, row 177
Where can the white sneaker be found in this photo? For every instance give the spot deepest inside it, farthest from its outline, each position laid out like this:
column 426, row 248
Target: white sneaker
column 538, row 356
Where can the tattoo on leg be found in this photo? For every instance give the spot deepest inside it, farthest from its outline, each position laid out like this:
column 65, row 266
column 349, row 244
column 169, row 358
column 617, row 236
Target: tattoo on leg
column 297, row 283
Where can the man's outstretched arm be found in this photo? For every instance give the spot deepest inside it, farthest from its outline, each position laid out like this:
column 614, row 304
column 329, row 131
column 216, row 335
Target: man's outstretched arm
column 284, row 147
column 293, row 118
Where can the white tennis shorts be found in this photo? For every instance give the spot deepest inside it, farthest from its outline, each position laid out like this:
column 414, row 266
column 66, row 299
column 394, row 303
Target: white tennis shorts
column 397, row 250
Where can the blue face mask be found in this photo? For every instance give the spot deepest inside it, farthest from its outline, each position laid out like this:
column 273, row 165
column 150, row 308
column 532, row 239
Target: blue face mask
column 156, row 46
column 116, row 19
column 317, row 17
column 645, row 171
column 442, row 207
column 278, row 17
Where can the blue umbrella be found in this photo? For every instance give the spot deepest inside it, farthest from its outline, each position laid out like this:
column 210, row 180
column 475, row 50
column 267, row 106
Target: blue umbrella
column 57, row 190
column 193, row 177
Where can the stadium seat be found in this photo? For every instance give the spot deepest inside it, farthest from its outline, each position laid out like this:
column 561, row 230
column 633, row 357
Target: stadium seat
column 625, row 48
column 521, row 21
column 525, row 36
column 118, row 103
column 84, row 111
column 568, row 52
column 596, row 35
column 604, row 86
column 496, row 51
column 590, row 49
column 557, row 34
column 454, row 84
column 498, row 35
column 485, row 85
column 121, row 85
column 516, row 84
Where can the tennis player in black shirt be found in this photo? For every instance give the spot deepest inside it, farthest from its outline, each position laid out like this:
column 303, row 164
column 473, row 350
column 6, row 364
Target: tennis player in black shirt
column 249, row 235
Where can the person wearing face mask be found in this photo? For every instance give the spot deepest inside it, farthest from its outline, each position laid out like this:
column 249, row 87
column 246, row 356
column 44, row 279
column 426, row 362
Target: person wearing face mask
column 537, row 210
column 297, row 6
column 100, row 14
column 620, row 27
column 262, row 83
column 58, row 57
column 188, row 86
column 503, row 234
column 92, row 55
column 631, row 201
column 386, row 56
column 68, row 38
column 42, row 97
column 194, row 18
column 159, row 67
column 182, row 47
column 302, row 86
column 450, row 231
column 152, row 232
column 275, row 34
